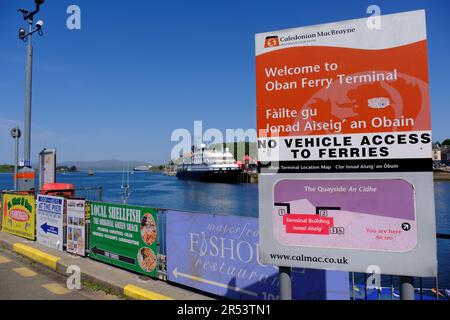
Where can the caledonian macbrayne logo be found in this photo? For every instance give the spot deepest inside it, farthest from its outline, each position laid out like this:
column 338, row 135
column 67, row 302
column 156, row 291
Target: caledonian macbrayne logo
column 271, row 41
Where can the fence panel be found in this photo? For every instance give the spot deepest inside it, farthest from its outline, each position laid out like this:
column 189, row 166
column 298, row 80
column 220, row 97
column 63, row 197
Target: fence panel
column 90, row 193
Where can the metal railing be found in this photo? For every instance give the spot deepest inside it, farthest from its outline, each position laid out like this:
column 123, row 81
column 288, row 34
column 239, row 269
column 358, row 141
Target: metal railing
column 358, row 281
column 359, row 287
column 90, row 193
column 361, row 290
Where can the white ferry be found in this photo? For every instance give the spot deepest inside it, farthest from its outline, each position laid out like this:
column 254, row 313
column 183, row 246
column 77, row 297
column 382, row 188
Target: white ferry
column 209, row 165
column 143, row 168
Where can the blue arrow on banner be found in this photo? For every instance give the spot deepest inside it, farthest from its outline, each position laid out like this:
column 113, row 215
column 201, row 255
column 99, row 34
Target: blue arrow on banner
column 49, row 229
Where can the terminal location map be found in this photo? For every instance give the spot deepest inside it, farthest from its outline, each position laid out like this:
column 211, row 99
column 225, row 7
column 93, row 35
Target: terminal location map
column 333, row 213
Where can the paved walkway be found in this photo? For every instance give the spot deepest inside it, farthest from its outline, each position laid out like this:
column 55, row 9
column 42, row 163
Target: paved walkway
column 21, row 279
column 94, row 273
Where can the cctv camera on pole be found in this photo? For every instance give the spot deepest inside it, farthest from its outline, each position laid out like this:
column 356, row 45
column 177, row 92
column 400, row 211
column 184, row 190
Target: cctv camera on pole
column 26, row 175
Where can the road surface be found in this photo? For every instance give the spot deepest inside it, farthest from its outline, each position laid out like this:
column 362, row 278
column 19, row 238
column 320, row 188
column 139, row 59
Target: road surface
column 21, row 279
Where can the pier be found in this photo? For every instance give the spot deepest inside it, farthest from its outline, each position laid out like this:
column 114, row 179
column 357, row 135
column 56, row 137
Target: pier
column 248, row 177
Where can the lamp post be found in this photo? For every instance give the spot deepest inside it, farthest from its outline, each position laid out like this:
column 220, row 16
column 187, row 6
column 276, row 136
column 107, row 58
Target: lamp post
column 23, row 35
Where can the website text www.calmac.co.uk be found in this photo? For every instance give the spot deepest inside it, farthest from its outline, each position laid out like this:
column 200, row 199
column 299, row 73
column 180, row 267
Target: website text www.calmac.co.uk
column 303, row 258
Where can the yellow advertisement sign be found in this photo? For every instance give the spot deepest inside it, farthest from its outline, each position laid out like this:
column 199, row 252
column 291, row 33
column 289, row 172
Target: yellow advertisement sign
column 19, row 215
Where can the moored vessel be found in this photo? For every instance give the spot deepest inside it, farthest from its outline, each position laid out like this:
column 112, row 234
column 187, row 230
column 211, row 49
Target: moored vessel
column 209, row 166
column 143, row 168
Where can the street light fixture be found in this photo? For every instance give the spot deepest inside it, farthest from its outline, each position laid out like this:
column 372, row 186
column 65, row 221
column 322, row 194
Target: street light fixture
column 23, row 35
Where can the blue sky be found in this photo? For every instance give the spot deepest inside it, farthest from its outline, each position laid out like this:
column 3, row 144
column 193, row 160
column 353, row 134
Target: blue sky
column 137, row 70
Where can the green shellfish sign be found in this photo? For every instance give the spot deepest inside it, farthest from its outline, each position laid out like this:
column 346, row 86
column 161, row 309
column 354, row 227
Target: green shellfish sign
column 125, row 236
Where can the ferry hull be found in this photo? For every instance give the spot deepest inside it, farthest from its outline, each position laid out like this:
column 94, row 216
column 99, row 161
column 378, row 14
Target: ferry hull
column 226, row 176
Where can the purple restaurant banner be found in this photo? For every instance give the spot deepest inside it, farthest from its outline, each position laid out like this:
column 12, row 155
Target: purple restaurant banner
column 219, row 254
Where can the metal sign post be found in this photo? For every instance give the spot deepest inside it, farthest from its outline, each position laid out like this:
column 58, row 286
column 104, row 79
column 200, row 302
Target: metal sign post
column 285, row 283
column 407, row 288
column 24, row 36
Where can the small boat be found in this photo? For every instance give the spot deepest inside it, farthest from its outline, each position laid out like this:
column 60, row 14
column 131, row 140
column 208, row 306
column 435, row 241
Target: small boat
column 90, row 172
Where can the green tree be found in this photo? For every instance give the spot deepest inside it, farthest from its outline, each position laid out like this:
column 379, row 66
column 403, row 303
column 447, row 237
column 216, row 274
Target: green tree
column 446, row 142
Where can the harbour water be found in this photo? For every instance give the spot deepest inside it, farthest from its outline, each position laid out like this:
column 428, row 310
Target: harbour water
column 157, row 190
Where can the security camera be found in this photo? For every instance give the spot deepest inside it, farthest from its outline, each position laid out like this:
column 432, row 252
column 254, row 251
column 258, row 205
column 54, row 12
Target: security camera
column 21, row 33
column 39, row 24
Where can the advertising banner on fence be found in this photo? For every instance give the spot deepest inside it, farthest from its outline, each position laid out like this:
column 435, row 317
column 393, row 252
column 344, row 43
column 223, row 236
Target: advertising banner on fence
column 76, row 226
column 219, row 255
column 49, row 221
column 125, row 236
column 19, row 215
column 344, row 140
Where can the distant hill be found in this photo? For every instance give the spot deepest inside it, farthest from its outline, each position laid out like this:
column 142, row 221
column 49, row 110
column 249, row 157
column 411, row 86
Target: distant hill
column 6, row 168
column 103, row 165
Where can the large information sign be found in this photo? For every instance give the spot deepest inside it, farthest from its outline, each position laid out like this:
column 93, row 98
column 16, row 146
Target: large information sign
column 344, row 140
column 49, row 221
column 125, row 236
column 19, row 215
